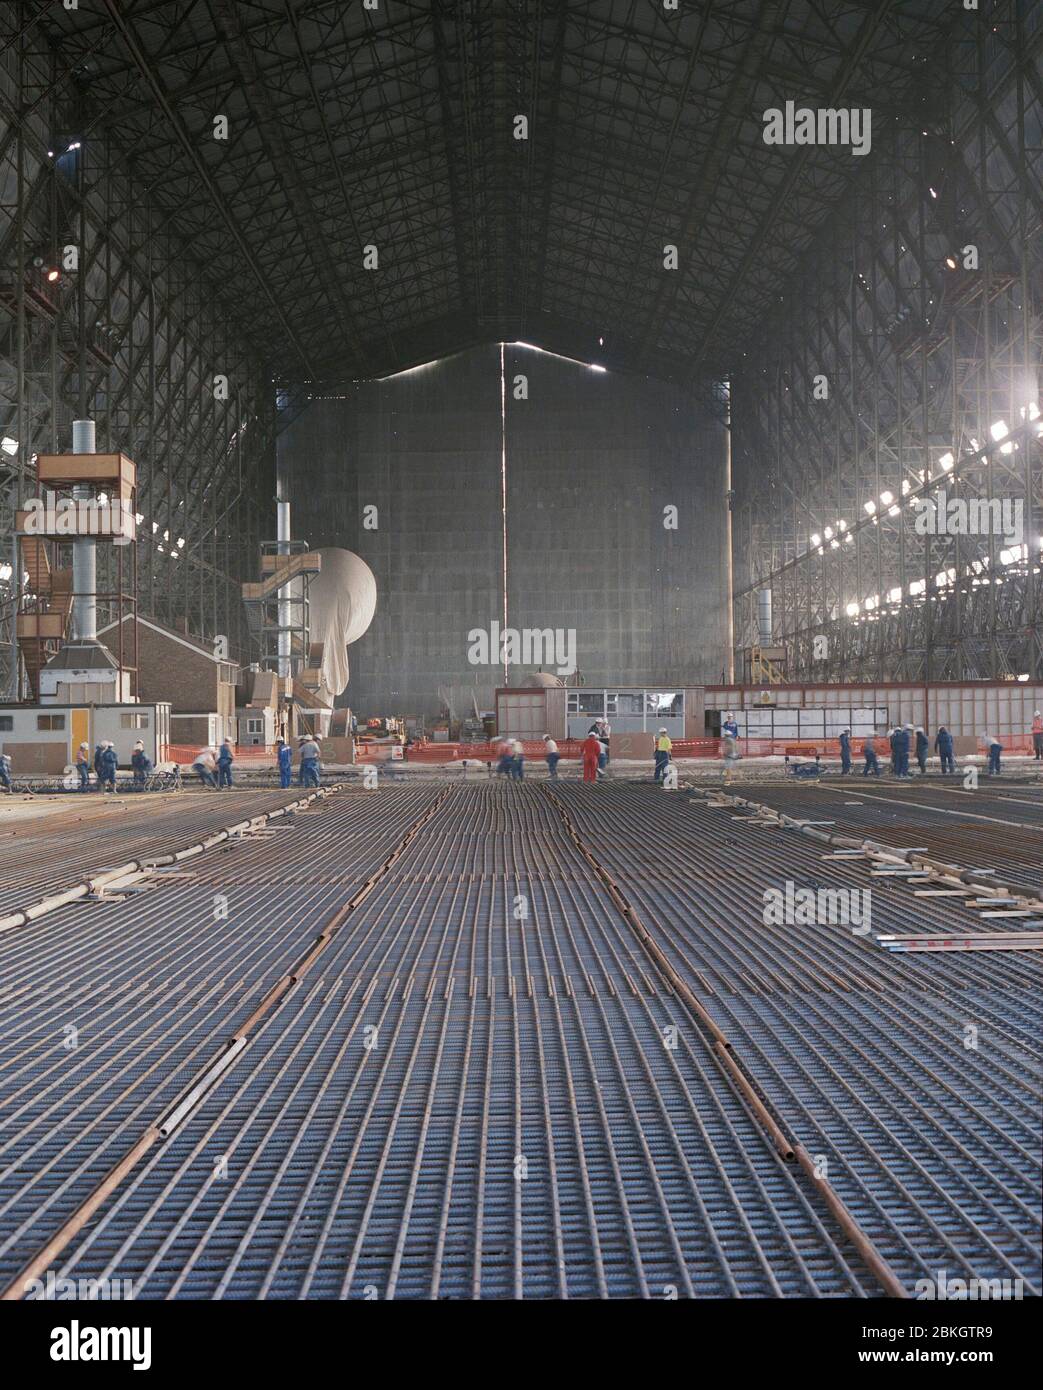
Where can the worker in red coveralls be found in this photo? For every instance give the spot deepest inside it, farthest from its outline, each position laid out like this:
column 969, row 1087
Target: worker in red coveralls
column 592, row 750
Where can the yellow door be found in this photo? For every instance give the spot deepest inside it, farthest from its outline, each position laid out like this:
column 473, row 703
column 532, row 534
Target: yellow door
column 80, row 730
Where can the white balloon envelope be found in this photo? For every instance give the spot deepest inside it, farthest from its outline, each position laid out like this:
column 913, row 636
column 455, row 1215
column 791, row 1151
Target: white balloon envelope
column 342, row 601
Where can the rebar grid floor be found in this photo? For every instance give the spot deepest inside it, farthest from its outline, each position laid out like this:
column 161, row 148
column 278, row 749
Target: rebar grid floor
column 485, row 1087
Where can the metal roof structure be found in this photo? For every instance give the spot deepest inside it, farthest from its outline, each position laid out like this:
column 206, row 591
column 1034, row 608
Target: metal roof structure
column 244, row 202
column 516, row 167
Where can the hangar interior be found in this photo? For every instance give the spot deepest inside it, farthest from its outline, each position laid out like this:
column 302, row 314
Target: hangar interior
column 475, row 478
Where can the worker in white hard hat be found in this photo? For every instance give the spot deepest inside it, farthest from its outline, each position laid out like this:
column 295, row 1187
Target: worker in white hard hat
column 900, row 745
column 109, row 764
column 225, row 759
column 204, row 766
column 142, row 765
column 995, row 749
column 1037, row 736
column 552, row 755
column 83, row 766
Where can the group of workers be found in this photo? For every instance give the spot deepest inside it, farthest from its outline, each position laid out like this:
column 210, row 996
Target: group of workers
column 904, row 741
column 105, row 762
column 309, row 766
column 213, row 766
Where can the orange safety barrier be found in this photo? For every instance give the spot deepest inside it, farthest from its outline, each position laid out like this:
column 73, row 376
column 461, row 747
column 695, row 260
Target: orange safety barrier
column 186, row 753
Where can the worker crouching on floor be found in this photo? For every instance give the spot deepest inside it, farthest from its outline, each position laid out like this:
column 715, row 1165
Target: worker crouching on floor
column 663, row 745
column 109, row 764
column 142, row 765
column 506, row 763
column 869, row 753
column 552, row 755
column 204, row 767
column 225, row 759
column 591, row 750
column 5, row 772
column 310, row 767
column 284, row 755
column 83, row 766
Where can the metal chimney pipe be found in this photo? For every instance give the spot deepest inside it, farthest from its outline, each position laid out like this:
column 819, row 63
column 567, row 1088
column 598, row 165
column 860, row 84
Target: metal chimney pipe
column 282, row 535
column 84, row 554
column 764, row 617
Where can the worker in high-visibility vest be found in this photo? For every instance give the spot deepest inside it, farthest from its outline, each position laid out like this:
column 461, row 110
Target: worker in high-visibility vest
column 662, row 754
column 1037, row 736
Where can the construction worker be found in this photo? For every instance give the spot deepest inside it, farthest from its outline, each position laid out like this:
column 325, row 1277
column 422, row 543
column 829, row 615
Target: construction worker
column 141, row 763
column 1037, row 736
column 845, row 752
column 517, row 759
column 869, row 753
column 99, row 752
column 552, row 755
column 83, row 766
column 591, row 750
column 284, row 754
column 605, row 735
column 892, row 739
column 225, row 759
column 310, row 766
column 663, row 746
column 943, row 747
column 730, row 751
column 921, row 749
column 204, row 767
column 995, row 749
column 109, row 764
column 5, row 772
column 901, row 751
column 730, row 729
column 506, row 754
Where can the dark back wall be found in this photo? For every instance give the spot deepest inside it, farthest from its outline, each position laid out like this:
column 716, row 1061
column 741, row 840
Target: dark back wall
column 592, row 460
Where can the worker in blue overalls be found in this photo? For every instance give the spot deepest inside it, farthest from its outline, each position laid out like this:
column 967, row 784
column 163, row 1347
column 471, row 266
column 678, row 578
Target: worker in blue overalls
column 142, row 765
column 99, row 760
column 900, row 744
column 995, row 749
column 309, row 764
column 225, row 759
column 109, row 764
column 284, row 753
column 922, row 748
column 944, row 746
column 845, row 752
